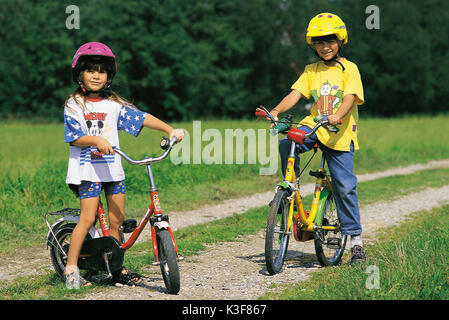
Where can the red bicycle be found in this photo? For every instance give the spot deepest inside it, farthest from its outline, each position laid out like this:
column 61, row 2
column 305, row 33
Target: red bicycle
column 102, row 252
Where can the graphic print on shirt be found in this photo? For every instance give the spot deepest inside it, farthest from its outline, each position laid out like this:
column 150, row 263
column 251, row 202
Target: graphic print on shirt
column 94, row 156
column 95, row 123
column 326, row 102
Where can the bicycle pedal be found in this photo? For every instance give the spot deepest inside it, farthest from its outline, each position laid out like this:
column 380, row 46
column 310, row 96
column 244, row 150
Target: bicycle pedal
column 333, row 243
column 129, row 225
column 102, row 278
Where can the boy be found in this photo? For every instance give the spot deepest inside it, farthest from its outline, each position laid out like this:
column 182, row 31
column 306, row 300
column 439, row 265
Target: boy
column 336, row 87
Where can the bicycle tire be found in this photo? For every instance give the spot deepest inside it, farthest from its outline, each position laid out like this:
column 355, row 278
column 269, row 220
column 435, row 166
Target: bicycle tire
column 329, row 245
column 59, row 258
column 276, row 239
column 168, row 261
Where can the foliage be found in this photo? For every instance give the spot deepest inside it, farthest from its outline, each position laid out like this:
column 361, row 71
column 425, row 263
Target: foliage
column 183, row 60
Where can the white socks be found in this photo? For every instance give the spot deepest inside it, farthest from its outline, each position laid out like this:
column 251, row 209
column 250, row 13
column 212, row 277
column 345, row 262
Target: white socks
column 356, row 240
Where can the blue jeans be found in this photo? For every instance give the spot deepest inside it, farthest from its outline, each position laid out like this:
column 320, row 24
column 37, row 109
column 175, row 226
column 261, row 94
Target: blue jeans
column 344, row 182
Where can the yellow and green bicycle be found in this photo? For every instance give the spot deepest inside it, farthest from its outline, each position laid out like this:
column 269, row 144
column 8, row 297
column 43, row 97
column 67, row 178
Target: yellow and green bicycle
column 320, row 224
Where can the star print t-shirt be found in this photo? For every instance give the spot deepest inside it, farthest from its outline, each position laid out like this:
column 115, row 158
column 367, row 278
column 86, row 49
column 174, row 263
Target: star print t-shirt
column 328, row 85
column 103, row 118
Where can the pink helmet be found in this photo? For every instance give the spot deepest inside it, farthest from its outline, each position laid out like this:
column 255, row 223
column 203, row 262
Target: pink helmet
column 93, row 49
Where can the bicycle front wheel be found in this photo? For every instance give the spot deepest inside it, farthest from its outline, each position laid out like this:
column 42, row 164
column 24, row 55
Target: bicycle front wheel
column 329, row 244
column 276, row 236
column 168, row 261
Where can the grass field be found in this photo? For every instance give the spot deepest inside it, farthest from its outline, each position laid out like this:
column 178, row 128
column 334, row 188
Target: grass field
column 33, row 164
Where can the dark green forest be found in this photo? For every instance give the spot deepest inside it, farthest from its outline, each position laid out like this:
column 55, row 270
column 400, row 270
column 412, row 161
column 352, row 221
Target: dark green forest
column 187, row 59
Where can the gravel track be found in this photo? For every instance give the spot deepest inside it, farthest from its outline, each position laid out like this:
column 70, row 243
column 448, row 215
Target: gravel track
column 236, row 270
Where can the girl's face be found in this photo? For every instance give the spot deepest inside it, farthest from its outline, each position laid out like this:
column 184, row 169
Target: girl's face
column 94, row 80
column 326, row 49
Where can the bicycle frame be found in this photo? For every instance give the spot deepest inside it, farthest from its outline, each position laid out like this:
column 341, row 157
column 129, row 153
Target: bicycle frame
column 154, row 210
column 306, row 219
column 153, row 213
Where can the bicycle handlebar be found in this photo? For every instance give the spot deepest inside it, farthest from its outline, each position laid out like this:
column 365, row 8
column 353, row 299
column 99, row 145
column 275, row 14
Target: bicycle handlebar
column 285, row 124
column 147, row 161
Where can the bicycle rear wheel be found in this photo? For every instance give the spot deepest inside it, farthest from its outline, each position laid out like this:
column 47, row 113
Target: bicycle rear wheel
column 168, row 261
column 329, row 244
column 59, row 247
column 276, row 236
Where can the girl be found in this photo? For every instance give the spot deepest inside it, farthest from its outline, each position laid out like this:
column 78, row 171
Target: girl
column 93, row 117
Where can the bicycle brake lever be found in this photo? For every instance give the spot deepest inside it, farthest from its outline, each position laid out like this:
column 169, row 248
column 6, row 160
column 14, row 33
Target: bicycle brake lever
column 268, row 114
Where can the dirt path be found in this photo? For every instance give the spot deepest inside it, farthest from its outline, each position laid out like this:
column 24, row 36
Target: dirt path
column 236, row 270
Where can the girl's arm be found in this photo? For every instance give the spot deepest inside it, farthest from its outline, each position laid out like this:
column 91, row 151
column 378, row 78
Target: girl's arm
column 101, row 143
column 346, row 105
column 154, row 123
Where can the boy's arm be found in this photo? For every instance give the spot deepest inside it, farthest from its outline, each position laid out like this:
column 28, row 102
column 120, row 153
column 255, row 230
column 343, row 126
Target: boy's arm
column 287, row 103
column 346, row 105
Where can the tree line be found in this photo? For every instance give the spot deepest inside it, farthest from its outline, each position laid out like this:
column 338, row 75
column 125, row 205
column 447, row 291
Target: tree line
column 182, row 60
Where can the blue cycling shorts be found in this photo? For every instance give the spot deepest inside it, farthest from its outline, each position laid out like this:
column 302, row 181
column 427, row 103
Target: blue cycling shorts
column 88, row 189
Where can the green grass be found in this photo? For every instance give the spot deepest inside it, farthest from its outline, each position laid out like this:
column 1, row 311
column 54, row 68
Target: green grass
column 409, row 264
column 47, row 287
column 401, row 141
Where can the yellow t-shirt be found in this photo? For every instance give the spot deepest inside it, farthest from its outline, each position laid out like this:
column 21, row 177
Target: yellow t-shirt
column 327, row 86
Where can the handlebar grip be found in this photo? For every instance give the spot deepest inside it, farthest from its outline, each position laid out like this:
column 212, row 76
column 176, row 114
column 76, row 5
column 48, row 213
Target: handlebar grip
column 260, row 114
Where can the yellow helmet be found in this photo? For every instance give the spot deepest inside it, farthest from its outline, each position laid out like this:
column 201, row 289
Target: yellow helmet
column 325, row 24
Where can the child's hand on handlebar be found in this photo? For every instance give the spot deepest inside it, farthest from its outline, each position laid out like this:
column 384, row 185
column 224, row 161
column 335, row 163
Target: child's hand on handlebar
column 104, row 146
column 178, row 133
column 334, row 119
column 259, row 110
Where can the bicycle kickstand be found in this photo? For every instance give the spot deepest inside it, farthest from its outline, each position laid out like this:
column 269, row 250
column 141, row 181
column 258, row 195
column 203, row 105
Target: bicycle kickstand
column 106, row 256
column 104, row 278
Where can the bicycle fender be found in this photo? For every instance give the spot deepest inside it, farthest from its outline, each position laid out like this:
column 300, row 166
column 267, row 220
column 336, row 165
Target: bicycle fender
column 162, row 225
column 70, row 218
column 323, row 197
column 284, row 186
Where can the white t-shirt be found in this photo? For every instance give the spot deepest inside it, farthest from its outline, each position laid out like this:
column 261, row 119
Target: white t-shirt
column 103, row 118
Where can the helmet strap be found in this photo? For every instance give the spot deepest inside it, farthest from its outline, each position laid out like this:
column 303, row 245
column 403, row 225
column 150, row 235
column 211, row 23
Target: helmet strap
column 102, row 92
column 334, row 58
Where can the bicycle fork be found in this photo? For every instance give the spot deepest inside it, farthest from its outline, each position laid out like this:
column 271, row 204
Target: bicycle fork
column 306, row 218
column 158, row 220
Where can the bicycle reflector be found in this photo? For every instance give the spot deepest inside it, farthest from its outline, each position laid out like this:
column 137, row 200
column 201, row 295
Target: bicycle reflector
column 296, row 135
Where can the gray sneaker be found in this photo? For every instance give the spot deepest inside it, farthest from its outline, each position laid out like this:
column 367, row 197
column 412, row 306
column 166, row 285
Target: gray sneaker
column 357, row 255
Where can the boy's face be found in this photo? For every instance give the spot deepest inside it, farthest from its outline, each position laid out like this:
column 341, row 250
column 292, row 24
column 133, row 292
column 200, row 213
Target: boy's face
column 326, row 47
column 94, row 80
